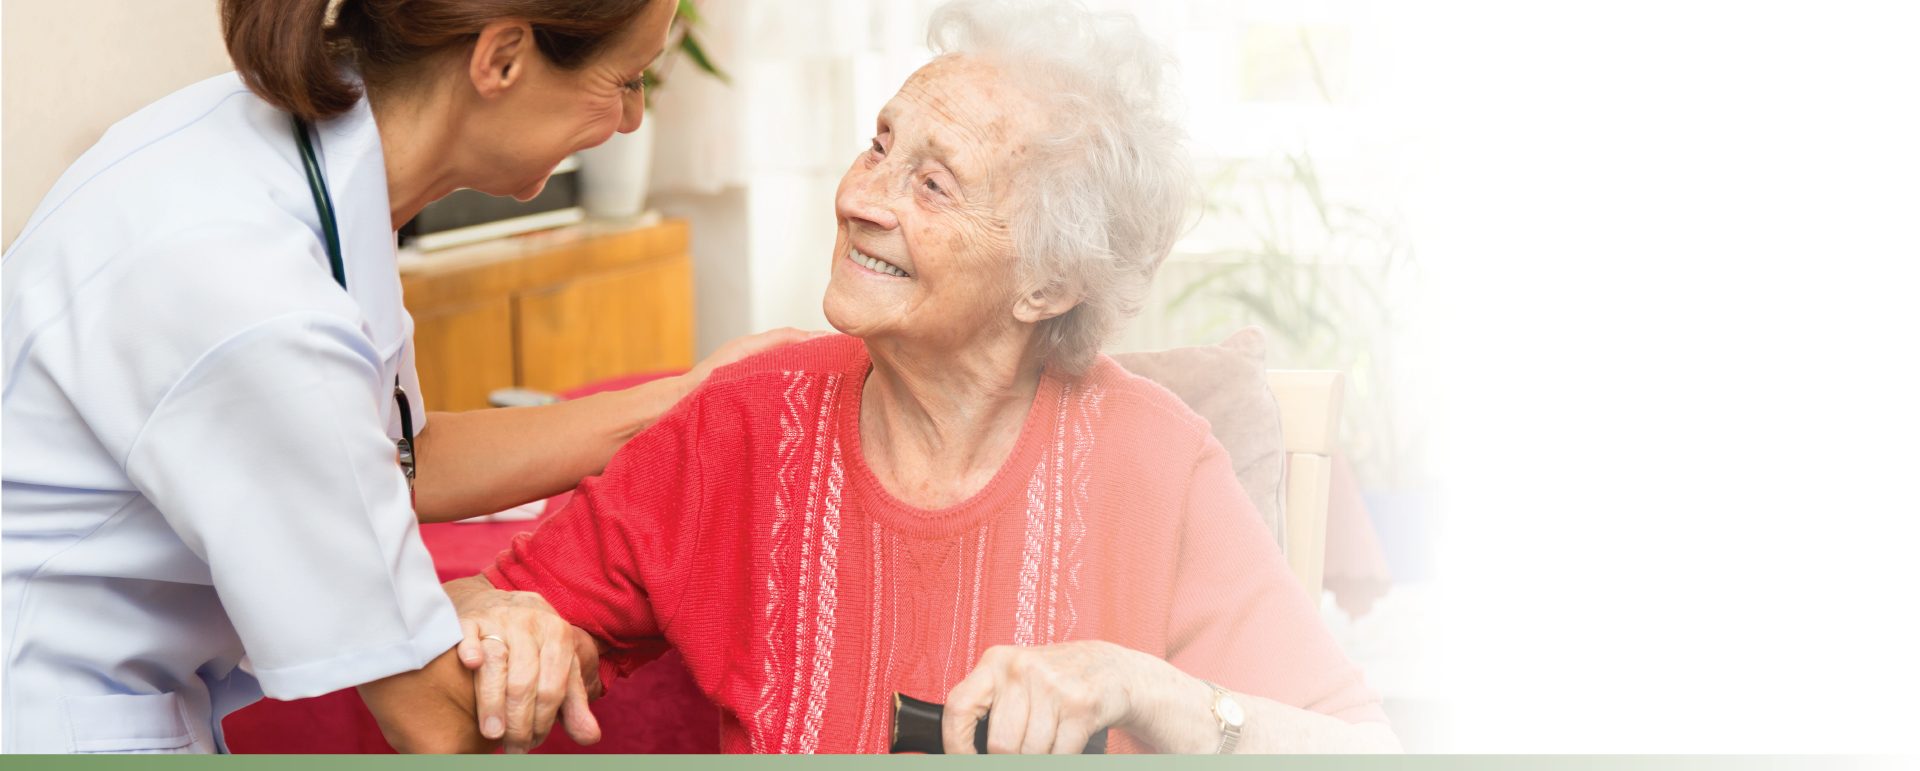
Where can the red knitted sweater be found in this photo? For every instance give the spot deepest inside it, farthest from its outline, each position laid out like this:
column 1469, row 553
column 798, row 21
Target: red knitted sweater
column 745, row 529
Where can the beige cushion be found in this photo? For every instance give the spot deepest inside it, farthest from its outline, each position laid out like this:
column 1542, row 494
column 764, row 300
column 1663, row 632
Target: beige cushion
column 1227, row 385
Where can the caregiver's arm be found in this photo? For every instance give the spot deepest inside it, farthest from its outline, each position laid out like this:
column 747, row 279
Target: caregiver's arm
column 529, row 663
column 482, row 461
column 427, row 710
column 529, row 672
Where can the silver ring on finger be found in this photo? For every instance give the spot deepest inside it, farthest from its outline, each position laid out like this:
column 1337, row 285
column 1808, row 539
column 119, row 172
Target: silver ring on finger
column 496, row 638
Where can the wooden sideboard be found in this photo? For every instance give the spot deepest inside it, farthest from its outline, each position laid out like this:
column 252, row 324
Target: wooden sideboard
column 550, row 310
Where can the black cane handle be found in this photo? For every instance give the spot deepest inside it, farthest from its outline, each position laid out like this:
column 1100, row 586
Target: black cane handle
column 916, row 728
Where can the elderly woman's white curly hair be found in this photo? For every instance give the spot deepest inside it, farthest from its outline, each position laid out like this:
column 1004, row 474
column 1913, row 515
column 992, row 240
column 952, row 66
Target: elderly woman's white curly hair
column 1108, row 186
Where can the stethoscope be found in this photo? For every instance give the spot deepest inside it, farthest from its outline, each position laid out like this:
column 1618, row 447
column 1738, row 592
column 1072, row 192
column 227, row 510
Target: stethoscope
column 330, row 229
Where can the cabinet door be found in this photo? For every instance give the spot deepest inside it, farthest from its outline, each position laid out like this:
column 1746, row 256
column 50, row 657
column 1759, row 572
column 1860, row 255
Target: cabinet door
column 632, row 320
column 464, row 353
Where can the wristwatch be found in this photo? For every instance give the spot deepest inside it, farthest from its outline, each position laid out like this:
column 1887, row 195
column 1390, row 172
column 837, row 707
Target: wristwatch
column 1227, row 710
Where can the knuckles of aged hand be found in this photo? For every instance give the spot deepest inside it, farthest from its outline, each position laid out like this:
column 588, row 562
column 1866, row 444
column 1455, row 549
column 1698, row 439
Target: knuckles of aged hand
column 505, row 602
column 588, row 651
column 511, row 691
column 1084, row 685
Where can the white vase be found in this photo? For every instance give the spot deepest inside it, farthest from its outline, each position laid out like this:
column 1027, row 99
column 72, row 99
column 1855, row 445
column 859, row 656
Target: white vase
column 613, row 176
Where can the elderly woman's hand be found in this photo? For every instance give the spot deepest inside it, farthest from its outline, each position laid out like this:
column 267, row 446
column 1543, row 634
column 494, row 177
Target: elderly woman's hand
column 1045, row 699
column 531, row 666
column 1051, row 698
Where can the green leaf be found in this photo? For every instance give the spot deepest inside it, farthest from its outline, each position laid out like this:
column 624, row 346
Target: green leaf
column 1309, row 180
column 689, row 12
column 1204, row 281
column 1261, row 305
column 649, row 81
column 1313, row 65
column 1322, row 275
column 691, row 47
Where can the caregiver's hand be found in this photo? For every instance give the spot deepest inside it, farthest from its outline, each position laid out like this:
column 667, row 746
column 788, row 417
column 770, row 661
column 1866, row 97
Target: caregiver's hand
column 1045, row 699
column 742, row 347
column 532, row 665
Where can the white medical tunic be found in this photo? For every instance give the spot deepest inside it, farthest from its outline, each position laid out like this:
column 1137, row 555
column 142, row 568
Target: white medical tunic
column 201, row 499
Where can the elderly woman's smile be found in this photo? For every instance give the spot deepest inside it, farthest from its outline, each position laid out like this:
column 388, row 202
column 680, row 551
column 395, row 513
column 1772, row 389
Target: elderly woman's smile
column 875, row 264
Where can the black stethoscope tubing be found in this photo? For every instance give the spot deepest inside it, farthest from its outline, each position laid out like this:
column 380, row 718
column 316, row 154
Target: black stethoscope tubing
column 330, row 230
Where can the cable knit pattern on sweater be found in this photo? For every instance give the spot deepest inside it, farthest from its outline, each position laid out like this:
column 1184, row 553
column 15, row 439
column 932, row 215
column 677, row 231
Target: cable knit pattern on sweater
column 745, row 529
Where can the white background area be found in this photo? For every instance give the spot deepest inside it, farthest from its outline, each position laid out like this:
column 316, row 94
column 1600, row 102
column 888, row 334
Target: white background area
column 1673, row 269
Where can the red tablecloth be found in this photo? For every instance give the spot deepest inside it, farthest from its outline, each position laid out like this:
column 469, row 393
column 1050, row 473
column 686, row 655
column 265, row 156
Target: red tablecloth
column 657, row 709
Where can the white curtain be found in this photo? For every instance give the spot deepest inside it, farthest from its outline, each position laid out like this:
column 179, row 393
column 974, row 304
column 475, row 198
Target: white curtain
column 754, row 164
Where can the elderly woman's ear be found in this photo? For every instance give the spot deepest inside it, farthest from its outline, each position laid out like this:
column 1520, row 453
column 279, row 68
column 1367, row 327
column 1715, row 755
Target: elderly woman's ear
column 1045, row 302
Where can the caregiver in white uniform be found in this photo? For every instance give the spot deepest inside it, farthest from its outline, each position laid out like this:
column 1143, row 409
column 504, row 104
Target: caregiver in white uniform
column 203, row 500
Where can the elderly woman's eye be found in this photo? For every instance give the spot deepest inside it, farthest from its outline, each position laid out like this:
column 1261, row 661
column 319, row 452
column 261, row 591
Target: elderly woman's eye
column 877, row 149
column 934, row 186
column 631, row 86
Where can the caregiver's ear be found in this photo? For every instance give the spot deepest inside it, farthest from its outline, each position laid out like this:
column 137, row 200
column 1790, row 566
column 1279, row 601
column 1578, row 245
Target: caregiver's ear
column 500, row 55
column 1043, row 303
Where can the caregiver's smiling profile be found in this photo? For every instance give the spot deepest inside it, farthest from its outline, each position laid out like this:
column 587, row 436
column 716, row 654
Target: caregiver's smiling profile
column 209, row 374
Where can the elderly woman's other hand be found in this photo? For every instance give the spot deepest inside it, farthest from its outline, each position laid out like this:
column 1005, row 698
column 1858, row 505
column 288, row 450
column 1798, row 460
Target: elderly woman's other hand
column 531, row 666
column 1051, row 698
column 1044, row 699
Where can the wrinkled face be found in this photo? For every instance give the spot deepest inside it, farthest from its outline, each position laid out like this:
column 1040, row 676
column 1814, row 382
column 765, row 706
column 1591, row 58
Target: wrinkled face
column 923, row 252
column 553, row 112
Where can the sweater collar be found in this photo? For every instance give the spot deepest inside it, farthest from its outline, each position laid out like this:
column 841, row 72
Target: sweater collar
column 1039, row 434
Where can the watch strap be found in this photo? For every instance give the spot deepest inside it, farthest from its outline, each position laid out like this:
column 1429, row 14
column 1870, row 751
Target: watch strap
column 1229, row 733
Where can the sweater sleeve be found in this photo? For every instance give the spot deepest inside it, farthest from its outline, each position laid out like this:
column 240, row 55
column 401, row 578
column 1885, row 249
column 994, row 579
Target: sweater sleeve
column 1240, row 618
column 615, row 560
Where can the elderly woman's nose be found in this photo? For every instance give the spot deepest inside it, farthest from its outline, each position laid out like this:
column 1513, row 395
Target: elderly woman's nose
column 865, row 198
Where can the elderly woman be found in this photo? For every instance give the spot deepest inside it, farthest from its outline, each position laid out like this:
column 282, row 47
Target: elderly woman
column 959, row 499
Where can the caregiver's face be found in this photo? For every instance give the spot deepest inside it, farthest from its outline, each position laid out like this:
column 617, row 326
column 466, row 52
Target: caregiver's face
column 923, row 251
column 558, row 112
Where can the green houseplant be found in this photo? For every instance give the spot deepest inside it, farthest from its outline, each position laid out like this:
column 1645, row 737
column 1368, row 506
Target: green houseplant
column 1325, row 277
column 685, row 43
column 613, row 176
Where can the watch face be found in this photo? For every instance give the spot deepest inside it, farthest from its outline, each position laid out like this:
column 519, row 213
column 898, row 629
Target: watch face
column 1230, row 711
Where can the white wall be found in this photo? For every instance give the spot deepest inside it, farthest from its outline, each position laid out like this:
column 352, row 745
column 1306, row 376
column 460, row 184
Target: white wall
column 71, row 68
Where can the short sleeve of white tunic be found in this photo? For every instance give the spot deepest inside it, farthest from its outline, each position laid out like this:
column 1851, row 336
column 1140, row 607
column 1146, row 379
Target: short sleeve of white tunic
column 269, row 460
column 249, row 399
column 270, row 456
